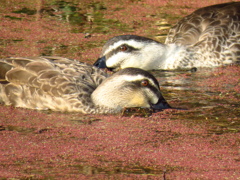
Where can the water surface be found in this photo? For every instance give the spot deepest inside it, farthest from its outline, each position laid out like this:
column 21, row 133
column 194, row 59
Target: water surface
column 198, row 139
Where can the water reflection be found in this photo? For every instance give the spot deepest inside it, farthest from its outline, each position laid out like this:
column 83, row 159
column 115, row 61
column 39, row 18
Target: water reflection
column 88, row 18
column 172, row 80
column 215, row 104
column 90, row 170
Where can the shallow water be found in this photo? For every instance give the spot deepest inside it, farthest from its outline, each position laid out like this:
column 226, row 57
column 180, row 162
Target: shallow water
column 217, row 104
column 198, row 139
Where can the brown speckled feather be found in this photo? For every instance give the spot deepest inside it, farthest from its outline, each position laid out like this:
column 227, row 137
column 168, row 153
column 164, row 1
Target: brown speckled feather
column 49, row 83
column 213, row 32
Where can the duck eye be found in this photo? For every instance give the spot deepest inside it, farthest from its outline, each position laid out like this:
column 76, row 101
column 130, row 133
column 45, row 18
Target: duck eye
column 123, row 48
column 144, row 82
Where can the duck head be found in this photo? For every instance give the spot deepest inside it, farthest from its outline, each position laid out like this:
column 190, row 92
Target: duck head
column 130, row 87
column 131, row 51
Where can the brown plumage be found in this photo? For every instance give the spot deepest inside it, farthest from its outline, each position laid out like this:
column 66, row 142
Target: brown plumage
column 62, row 84
column 213, row 32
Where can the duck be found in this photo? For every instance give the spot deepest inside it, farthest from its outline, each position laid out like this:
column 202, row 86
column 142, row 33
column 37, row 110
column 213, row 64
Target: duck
column 66, row 85
column 209, row 37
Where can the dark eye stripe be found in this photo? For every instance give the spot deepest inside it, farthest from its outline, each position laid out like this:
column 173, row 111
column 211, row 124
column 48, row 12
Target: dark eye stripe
column 136, row 71
column 154, row 90
column 119, row 49
column 150, row 86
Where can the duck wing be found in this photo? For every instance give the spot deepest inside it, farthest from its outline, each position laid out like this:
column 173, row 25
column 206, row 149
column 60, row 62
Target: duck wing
column 205, row 22
column 213, row 31
column 48, row 83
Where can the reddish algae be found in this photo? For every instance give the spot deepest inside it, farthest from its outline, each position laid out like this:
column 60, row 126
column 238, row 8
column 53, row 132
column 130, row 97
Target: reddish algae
column 199, row 139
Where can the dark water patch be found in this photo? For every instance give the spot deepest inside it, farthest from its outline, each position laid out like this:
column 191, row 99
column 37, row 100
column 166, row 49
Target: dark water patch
column 84, row 120
column 224, row 127
column 4, row 41
column 84, row 18
column 60, row 49
column 218, row 115
column 17, row 40
column 13, row 17
column 87, row 18
column 118, row 169
column 25, row 11
column 68, row 11
column 137, row 112
column 23, row 130
column 57, row 50
column 20, row 129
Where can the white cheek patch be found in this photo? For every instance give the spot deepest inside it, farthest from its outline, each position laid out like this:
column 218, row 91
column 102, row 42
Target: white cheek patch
column 123, row 60
column 151, row 95
column 132, row 43
column 113, row 61
column 154, row 98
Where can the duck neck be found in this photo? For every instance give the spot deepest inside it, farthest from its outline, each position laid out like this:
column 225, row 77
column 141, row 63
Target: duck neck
column 172, row 57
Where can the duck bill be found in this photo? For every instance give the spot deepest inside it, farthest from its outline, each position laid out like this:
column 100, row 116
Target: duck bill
column 101, row 62
column 160, row 105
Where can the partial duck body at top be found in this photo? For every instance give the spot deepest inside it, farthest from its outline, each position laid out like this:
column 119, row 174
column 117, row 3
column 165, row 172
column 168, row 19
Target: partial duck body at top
column 209, row 37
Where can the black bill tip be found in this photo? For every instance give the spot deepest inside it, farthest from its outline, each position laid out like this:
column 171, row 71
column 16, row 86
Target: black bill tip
column 160, row 105
column 101, row 62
